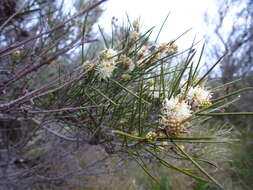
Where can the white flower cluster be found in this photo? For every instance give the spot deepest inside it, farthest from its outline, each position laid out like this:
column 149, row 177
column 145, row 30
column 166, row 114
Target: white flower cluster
column 108, row 54
column 151, row 135
column 160, row 50
column 107, row 63
column 135, row 36
column 170, row 48
column 177, row 110
column 127, row 63
column 106, row 68
column 88, row 65
column 198, row 96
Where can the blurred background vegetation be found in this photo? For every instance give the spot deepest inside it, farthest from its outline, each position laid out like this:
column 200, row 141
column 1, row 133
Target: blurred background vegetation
column 237, row 39
column 60, row 50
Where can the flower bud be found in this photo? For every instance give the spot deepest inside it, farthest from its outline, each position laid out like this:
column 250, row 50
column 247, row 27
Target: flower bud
column 16, row 53
column 126, row 76
column 151, row 136
column 123, row 121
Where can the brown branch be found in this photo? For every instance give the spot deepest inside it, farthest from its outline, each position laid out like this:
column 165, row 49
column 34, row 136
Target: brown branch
column 66, row 109
column 12, row 16
column 36, row 67
column 14, row 46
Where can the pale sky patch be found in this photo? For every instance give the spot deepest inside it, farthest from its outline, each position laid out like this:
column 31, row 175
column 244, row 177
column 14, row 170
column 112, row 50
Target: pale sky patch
column 184, row 14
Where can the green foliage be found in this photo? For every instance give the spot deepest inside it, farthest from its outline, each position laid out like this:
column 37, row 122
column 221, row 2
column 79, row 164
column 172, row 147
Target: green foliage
column 201, row 186
column 143, row 181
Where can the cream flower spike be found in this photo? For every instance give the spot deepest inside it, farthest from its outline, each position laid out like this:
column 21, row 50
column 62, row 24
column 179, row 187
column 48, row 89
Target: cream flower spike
column 198, row 95
column 107, row 63
column 108, row 54
column 106, row 68
column 176, row 108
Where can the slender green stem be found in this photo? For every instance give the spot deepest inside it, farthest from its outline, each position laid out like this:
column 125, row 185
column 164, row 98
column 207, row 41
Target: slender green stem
column 168, row 165
column 199, row 167
column 129, row 91
column 128, row 135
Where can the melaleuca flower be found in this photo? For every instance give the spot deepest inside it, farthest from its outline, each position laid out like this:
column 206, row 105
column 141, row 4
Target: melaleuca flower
column 107, row 63
column 135, row 36
column 105, row 68
column 164, row 143
column 173, row 126
column 142, row 56
column 169, row 105
column 176, row 108
column 162, row 47
column 136, row 25
column 198, row 96
column 144, row 51
column 126, row 76
column 88, row 65
column 127, row 63
column 174, row 111
column 123, row 121
column 172, row 48
column 157, row 55
column 151, row 136
column 108, row 54
column 16, row 53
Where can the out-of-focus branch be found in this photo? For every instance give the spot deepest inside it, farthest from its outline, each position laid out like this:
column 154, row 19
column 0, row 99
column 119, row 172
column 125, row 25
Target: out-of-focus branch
column 14, row 46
